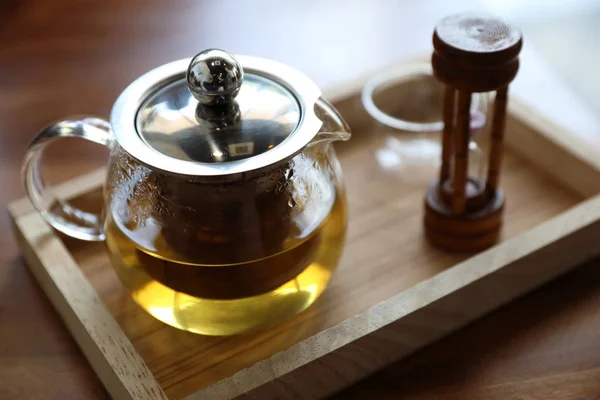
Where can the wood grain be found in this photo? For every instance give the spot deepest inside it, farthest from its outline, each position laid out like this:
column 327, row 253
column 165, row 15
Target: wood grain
column 497, row 146
column 461, row 152
column 574, row 171
column 123, row 371
column 380, row 197
column 544, row 346
column 449, row 97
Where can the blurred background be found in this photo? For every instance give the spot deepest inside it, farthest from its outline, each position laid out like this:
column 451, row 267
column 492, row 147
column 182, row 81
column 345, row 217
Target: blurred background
column 65, row 57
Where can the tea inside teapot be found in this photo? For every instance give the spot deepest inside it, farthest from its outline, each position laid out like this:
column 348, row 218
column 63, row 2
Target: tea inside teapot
column 276, row 235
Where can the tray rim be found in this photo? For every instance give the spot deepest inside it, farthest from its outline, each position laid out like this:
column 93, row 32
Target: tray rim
column 125, row 375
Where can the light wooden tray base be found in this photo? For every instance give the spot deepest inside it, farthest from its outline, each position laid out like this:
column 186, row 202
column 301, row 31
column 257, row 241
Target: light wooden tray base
column 392, row 294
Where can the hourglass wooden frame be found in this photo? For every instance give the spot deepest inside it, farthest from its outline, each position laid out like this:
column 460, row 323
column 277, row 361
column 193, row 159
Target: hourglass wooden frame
column 472, row 54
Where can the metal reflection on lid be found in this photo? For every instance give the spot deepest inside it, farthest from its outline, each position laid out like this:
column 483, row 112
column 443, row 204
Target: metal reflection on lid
column 217, row 114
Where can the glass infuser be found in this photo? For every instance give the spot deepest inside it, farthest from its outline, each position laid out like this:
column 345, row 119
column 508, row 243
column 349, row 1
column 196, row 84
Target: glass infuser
column 224, row 205
column 407, row 103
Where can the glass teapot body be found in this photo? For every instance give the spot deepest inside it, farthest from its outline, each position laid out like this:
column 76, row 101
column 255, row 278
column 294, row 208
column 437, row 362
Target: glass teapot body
column 214, row 254
column 221, row 257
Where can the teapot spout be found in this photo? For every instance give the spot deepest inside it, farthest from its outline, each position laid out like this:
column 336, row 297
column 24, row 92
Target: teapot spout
column 334, row 126
column 324, row 137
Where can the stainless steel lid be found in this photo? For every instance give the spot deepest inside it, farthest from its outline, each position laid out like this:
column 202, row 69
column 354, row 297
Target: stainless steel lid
column 216, row 114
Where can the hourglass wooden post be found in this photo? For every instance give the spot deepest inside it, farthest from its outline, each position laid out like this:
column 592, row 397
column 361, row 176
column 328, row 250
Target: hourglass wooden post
column 472, row 54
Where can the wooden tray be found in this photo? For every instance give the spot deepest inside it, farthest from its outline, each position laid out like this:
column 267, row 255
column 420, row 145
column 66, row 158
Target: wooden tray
column 392, row 294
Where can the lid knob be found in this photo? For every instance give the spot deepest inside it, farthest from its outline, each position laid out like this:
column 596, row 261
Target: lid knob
column 214, row 77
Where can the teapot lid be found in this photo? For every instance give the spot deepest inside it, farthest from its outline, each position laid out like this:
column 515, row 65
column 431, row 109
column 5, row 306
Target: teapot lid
column 216, row 114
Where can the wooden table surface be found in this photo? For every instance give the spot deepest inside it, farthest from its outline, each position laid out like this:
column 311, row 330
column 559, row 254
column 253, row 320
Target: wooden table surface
column 70, row 57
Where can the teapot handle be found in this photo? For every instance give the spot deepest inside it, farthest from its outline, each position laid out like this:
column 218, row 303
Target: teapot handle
column 58, row 212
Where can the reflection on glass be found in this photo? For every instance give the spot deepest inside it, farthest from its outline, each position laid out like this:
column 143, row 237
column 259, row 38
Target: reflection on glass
column 409, row 101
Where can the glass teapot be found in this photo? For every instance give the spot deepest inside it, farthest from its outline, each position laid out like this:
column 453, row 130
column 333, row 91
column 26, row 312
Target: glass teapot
column 224, row 207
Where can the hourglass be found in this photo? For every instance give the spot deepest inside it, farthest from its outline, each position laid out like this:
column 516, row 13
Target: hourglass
column 472, row 54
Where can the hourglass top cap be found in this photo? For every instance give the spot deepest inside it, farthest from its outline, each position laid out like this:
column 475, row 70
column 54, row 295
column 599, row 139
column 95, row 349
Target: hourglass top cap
column 476, row 52
column 214, row 77
column 478, row 38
